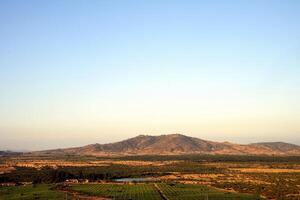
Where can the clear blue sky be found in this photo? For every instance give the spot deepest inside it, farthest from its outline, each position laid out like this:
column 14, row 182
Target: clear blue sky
column 78, row 72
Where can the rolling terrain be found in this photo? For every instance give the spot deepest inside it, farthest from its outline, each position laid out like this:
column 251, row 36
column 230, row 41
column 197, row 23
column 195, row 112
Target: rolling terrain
column 177, row 144
column 9, row 153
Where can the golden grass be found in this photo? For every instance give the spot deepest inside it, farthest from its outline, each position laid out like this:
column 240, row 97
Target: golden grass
column 266, row 170
column 63, row 163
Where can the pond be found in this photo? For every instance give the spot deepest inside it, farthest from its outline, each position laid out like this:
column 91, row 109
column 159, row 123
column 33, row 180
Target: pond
column 134, row 179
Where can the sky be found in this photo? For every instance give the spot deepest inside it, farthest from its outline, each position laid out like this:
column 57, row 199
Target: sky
column 79, row 72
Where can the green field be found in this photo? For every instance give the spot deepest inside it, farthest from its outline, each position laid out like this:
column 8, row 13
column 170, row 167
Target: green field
column 160, row 191
column 117, row 191
column 41, row 192
column 196, row 192
column 147, row 191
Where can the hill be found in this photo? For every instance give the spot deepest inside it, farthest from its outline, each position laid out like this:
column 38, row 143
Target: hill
column 176, row 144
column 9, row 153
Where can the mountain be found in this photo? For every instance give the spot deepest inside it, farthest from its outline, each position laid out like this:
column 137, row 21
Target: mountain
column 278, row 147
column 175, row 144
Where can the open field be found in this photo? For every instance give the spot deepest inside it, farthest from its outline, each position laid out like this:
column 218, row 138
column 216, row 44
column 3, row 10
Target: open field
column 157, row 191
column 29, row 192
column 119, row 191
column 194, row 191
column 266, row 170
column 145, row 191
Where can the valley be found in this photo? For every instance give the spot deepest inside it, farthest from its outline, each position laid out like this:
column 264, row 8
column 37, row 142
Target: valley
column 236, row 177
column 167, row 167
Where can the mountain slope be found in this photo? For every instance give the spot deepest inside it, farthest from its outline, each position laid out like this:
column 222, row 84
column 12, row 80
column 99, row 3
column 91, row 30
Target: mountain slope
column 284, row 148
column 178, row 144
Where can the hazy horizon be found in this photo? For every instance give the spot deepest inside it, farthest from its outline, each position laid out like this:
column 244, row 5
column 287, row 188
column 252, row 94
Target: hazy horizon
column 80, row 144
column 79, row 72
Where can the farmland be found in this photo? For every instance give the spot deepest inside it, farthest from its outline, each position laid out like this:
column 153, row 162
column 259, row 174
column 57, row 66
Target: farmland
column 119, row 191
column 157, row 191
column 231, row 177
column 145, row 191
column 42, row 192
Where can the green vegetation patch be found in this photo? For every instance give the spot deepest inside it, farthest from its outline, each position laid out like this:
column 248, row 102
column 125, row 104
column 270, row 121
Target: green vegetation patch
column 119, row 191
column 159, row 191
column 198, row 192
column 29, row 192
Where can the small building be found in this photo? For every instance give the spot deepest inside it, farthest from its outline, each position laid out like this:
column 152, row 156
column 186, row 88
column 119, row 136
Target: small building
column 8, row 184
column 72, row 180
column 26, row 183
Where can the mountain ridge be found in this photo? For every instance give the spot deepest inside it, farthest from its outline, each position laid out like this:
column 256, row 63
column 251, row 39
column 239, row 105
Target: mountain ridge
column 176, row 144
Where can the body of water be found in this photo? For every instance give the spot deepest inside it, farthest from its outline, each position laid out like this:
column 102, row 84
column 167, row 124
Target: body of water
column 134, row 179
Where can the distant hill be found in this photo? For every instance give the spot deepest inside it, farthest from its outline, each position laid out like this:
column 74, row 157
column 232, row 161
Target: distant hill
column 176, row 144
column 9, row 153
column 278, row 147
